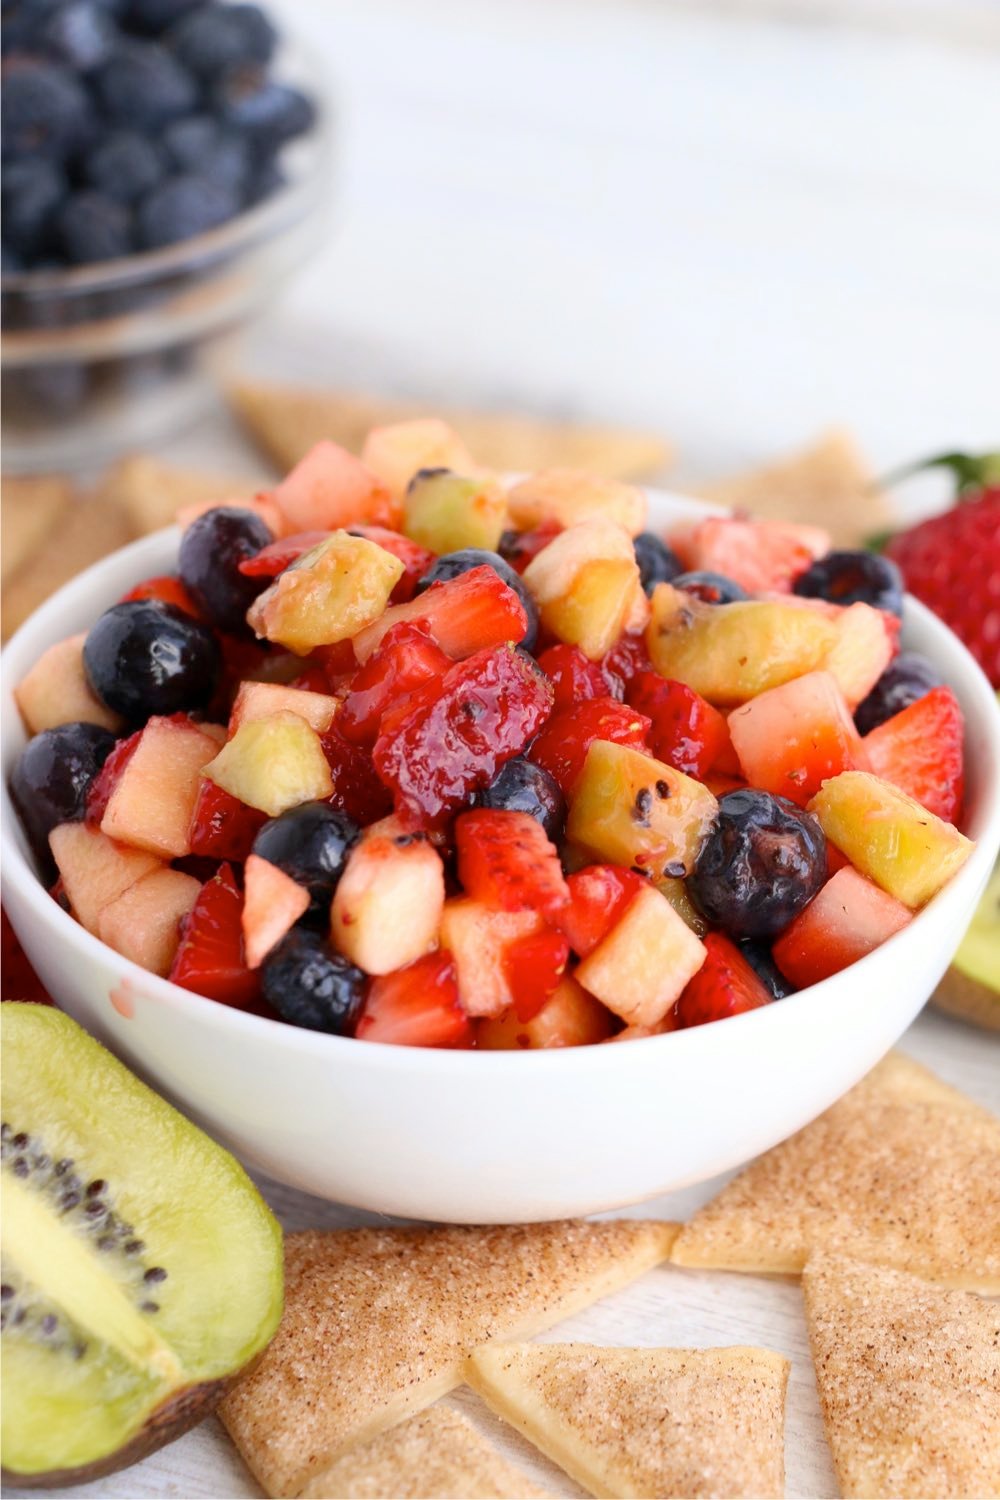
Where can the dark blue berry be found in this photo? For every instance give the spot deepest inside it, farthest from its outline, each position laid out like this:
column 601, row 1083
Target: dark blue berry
column 904, row 680
column 153, row 16
column 216, row 38
column 80, row 34
column 184, row 206
column 58, row 388
column 144, row 657
column 52, row 776
column 310, row 985
column 212, row 549
column 310, row 843
column 657, row 564
column 124, row 166
column 451, row 564
column 11, row 261
column 199, row 144
column 31, row 189
column 758, row 956
column 43, row 108
column 263, row 182
column 710, row 588
column 269, row 113
column 91, row 226
column 525, row 788
column 763, row 861
column 853, row 578
column 141, row 86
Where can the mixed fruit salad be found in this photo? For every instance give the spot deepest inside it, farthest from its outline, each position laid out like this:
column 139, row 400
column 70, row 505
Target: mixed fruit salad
column 409, row 753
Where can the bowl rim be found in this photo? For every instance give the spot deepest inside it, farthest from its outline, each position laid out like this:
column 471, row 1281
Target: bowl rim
column 65, row 930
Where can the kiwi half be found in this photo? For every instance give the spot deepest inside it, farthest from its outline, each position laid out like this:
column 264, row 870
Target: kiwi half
column 141, row 1269
column 971, row 987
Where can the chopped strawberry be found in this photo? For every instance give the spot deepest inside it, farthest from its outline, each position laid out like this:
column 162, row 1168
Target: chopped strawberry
column 520, row 548
column 405, row 659
column 415, row 559
column 686, row 732
column 535, row 965
column 168, row 589
column 109, row 776
column 277, row 556
column 561, row 748
column 357, row 789
column 416, row 1007
column 312, row 680
column 466, row 614
column 725, row 985
column 210, row 960
column 920, row 750
column 338, row 663
column 507, row 860
column 452, row 735
column 598, row 896
column 20, row 982
column 575, row 677
column 222, row 827
column 627, row 657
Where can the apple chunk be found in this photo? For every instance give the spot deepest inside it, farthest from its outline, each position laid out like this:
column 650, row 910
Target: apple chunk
column 567, row 496
column 144, row 923
column 643, row 964
column 154, row 799
column 56, row 691
column 479, row 939
column 262, row 700
column 387, row 906
column 94, row 869
column 396, row 452
column 272, row 903
column 273, row 764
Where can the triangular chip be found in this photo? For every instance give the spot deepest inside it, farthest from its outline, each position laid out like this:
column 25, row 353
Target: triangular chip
column 827, row 484
column 909, row 1381
column 86, row 531
column 286, row 421
column 30, row 509
column 903, row 1171
column 642, row 1422
column 150, row 492
column 378, row 1323
column 437, row 1454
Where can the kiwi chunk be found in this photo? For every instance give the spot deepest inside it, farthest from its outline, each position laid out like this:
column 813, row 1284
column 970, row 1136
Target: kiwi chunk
column 141, row 1269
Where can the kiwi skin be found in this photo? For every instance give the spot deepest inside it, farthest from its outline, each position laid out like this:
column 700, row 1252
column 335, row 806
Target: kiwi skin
column 969, row 999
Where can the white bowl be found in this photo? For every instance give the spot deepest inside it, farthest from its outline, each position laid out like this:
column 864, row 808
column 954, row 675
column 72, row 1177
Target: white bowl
column 495, row 1137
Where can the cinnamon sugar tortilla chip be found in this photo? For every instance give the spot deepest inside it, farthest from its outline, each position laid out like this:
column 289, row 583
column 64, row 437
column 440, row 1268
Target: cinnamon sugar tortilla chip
column 150, row 492
column 827, row 484
column 29, row 511
column 903, row 1171
column 638, row 1422
column 909, row 1381
column 87, row 531
column 286, row 421
column 378, row 1324
column 437, row 1454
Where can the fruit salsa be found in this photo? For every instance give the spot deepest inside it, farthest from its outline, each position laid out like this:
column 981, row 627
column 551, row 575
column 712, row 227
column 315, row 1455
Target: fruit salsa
column 409, row 753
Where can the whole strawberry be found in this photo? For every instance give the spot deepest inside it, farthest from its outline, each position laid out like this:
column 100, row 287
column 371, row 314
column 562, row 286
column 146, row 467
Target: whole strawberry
column 952, row 561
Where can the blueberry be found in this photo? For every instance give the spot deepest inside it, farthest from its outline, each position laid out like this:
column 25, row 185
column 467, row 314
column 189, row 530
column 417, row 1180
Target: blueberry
column 212, row 549
column 58, row 388
column 199, row 144
column 269, row 113
column 52, row 776
column 904, row 680
column 657, row 564
column 10, row 259
column 32, row 189
column 144, row 657
column 310, row 985
column 124, row 166
column 853, row 578
column 142, row 86
column 153, row 16
column 215, row 38
column 182, row 207
column 43, row 108
column 310, row 843
column 80, row 34
column 758, row 956
column 263, row 182
column 452, row 564
column 91, row 227
column 710, row 588
column 763, row 861
column 526, row 788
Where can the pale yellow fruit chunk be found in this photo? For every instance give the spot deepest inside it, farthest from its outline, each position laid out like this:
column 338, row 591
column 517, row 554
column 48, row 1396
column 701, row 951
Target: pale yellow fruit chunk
column 273, row 764
column 328, row 595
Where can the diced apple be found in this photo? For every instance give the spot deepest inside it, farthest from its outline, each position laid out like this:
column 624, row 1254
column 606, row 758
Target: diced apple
column 152, row 803
column 326, row 595
column 552, row 572
column 387, row 906
column 272, row 903
column 758, row 555
column 643, row 964
column 273, row 764
column 446, row 512
column 569, row 1018
column 330, row 488
column 633, row 810
column 260, row 505
column 864, row 647
column 731, row 652
column 396, row 452
column 56, row 691
column 262, row 700
column 94, row 869
column 144, row 922
column 846, row 919
column 567, row 496
column 792, row 738
column 890, row 838
column 478, row 939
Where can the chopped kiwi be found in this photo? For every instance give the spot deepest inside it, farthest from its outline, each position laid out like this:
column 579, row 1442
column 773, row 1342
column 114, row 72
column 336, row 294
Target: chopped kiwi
column 141, row 1269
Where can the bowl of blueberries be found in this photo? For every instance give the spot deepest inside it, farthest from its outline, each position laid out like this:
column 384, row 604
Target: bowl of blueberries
column 165, row 167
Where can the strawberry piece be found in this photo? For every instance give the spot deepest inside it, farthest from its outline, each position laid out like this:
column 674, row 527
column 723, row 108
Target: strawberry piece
column 20, row 982
column 405, row 659
column 535, row 965
column 466, row 614
column 598, row 896
column 109, row 776
column 725, row 985
column 627, row 657
column 415, row 559
column 561, row 748
column 277, row 556
column 210, row 960
column 416, row 1007
column 686, row 732
column 222, row 827
column 452, row 735
column 337, row 661
column 312, row 680
column 507, row 860
column 920, row 750
column 521, row 548
column 758, row 555
column 357, row 790
column 166, row 588
column 846, row 919
column 575, row 677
